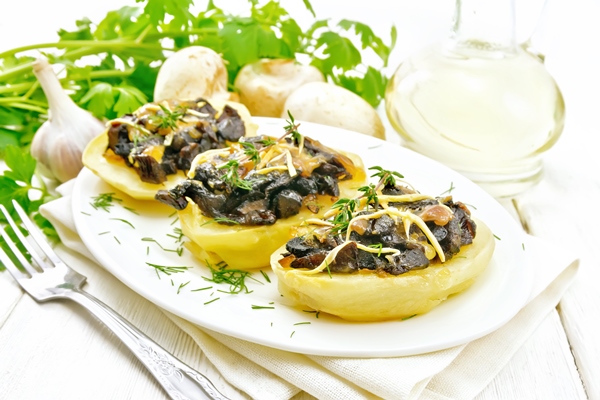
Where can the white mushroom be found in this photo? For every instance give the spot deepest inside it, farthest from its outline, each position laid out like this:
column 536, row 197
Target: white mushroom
column 265, row 85
column 333, row 105
column 191, row 73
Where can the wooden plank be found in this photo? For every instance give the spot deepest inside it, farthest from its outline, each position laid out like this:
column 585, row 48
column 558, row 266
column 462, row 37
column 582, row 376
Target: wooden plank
column 543, row 369
column 70, row 355
column 544, row 212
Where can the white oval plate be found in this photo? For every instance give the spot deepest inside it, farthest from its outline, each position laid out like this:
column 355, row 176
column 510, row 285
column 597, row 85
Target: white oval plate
column 495, row 298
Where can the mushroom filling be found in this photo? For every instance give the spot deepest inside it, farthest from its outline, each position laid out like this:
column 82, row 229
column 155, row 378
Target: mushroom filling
column 260, row 180
column 394, row 234
column 161, row 138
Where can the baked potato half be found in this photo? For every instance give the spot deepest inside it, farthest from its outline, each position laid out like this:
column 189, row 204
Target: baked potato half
column 367, row 295
column 152, row 149
column 239, row 211
column 389, row 253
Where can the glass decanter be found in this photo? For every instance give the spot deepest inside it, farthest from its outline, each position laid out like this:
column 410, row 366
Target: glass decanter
column 478, row 102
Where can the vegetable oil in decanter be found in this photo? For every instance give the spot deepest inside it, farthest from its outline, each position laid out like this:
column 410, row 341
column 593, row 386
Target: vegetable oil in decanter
column 488, row 115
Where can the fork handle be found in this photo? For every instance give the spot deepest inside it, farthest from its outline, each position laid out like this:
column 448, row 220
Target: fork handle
column 178, row 379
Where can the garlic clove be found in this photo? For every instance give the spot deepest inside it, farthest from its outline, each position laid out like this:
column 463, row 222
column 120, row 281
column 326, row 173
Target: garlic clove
column 60, row 141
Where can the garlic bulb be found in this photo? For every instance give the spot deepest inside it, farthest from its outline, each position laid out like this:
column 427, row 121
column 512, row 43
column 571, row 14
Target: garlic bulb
column 59, row 142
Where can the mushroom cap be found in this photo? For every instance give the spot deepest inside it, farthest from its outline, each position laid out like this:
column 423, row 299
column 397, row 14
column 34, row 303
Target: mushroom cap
column 332, row 105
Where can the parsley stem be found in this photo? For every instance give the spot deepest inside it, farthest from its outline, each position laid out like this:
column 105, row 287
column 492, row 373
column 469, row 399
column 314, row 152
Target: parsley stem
column 77, row 44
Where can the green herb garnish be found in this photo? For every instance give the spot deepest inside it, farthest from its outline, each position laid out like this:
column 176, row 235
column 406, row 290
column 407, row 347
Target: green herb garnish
column 251, row 152
column 181, row 286
column 449, row 190
column 232, row 176
column 346, row 209
column 167, row 270
column 386, row 177
column 264, row 274
column 236, row 278
column 262, row 307
column 378, row 246
column 124, row 221
column 212, row 301
column 221, row 220
column 200, row 289
column 168, row 119
column 370, row 192
column 104, row 201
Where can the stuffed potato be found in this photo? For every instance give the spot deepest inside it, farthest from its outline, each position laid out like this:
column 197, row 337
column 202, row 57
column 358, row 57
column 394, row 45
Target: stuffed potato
column 241, row 204
column 152, row 149
column 389, row 255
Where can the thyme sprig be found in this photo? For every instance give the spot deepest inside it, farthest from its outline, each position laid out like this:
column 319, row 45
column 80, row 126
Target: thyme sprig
column 386, row 177
column 251, row 153
column 168, row 119
column 347, row 207
column 232, row 176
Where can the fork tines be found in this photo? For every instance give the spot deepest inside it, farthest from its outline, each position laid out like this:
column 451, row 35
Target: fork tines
column 23, row 257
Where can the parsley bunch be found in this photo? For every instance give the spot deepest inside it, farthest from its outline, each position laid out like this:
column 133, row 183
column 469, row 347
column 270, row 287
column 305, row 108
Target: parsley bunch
column 130, row 44
column 17, row 182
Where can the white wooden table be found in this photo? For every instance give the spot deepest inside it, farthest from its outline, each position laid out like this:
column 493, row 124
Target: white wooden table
column 58, row 351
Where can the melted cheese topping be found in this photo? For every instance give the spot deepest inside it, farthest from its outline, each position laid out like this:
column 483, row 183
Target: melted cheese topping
column 405, row 217
column 280, row 156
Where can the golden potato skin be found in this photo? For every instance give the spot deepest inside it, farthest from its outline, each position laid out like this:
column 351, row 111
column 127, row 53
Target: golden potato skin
column 369, row 296
column 244, row 247
column 115, row 172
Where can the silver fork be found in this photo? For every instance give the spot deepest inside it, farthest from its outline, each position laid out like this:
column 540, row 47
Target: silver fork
column 49, row 278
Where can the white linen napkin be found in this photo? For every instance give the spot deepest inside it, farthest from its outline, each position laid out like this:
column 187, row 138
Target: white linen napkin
column 457, row 373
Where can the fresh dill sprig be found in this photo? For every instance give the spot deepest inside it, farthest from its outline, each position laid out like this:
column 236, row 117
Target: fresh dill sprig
column 132, row 210
column 177, row 235
column 200, row 289
column 264, row 274
column 178, row 250
column 449, row 190
column 222, row 220
column 167, row 270
column 104, row 201
column 181, row 286
column 262, row 307
column 236, row 278
column 302, row 323
column 124, row 221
